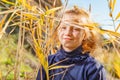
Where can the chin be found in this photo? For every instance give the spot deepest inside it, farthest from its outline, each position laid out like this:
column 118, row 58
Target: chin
column 68, row 45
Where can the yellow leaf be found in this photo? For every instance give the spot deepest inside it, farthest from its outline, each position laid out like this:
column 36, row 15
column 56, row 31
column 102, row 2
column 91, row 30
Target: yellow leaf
column 57, row 67
column 25, row 4
column 117, row 69
column 52, row 10
column 2, row 22
column 57, row 63
column 0, row 75
column 110, row 4
column 40, row 54
column 7, row 23
column 90, row 25
column 46, row 7
column 25, row 27
column 117, row 28
column 113, row 5
column 111, row 32
column 8, row 2
column 118, row 16
column 30, row 16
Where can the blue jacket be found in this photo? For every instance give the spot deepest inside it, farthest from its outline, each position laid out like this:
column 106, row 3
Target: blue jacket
column 82, row 67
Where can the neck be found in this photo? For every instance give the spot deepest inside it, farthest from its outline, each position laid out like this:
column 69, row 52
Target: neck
column 68, row 49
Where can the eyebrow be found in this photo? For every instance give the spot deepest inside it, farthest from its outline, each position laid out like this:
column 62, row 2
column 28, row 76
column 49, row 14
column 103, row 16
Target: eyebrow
column 75, row 25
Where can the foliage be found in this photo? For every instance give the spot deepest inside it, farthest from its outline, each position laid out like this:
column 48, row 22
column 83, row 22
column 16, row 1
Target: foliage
column 111, row 62
column 37, row 26
column 32, row 21
column 111, row 49
column 8, row 49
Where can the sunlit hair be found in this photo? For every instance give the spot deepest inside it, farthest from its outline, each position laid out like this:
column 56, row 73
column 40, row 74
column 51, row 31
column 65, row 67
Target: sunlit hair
column 92, row 38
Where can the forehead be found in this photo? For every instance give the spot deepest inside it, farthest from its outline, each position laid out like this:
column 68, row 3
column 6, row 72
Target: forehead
column 72, row 18
column 70, row 25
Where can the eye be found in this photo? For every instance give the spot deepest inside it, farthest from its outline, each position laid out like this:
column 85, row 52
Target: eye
column 63, row 28
column 76, row 29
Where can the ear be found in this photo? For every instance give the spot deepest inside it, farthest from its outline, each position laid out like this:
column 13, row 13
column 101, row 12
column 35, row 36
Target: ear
column 84, row 36
column 87, row 33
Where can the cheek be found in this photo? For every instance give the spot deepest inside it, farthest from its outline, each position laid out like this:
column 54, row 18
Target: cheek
column 60, row 35
column 79, row 36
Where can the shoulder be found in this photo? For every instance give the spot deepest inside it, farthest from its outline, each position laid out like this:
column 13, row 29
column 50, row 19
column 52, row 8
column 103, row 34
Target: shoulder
column 95, row 69
column 92, row 61
column 92, row 64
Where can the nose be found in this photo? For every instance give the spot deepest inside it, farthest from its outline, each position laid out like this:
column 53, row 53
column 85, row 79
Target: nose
column 68, row 31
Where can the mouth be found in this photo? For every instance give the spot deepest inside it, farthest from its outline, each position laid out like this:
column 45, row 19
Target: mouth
column 68, row 39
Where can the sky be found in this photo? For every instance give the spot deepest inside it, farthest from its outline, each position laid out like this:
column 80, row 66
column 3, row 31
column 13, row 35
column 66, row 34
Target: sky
column 99, row 10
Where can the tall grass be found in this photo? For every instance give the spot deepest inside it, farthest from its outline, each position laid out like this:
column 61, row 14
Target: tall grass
column 38, row 25
column 32, row 21
column 8, row 50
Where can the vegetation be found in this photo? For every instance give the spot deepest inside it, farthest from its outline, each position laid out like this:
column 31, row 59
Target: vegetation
column 26, row 28
column 8, row 50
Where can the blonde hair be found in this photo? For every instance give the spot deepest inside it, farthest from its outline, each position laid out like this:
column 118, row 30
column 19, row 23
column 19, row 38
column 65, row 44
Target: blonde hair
column 92, row 38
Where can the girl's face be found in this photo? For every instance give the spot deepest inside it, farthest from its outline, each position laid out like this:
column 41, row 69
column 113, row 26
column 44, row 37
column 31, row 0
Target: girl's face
column 70, row 35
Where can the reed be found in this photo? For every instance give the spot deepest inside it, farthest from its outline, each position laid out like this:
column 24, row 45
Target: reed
column 38, row 25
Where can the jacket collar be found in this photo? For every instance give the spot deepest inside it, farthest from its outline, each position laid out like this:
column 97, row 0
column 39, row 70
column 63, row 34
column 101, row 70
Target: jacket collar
column 76, row 52
column 75, row 56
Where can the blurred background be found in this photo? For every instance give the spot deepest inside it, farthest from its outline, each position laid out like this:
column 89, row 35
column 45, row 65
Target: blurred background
column 27, row 26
